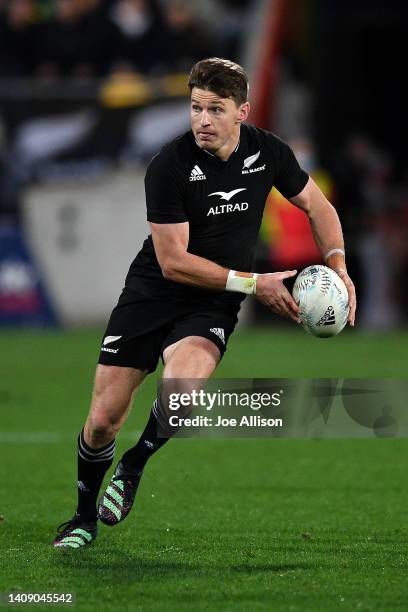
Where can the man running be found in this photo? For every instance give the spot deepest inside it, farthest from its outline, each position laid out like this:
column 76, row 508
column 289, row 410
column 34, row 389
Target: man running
column 205, row 195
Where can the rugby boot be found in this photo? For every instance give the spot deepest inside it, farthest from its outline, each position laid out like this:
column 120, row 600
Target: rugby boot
column 117, row 501
column 75, row 533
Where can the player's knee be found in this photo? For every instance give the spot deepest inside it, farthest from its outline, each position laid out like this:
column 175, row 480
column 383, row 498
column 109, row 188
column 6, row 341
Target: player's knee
column 99, row 432
column 103, row 425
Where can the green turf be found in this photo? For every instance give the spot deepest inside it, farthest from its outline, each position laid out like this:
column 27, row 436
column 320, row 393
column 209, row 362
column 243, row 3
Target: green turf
column 219, row 524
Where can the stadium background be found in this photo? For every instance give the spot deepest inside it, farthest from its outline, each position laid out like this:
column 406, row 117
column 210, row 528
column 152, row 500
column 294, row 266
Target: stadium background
column 89, row 90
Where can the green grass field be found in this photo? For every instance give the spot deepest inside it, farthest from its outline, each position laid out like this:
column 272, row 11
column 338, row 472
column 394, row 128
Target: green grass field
column 252, row 524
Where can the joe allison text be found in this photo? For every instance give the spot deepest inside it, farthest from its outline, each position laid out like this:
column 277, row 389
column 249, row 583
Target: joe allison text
column 252, row 420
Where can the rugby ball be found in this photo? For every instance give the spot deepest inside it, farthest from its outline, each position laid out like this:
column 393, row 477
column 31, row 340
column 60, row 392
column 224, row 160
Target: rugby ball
column 323, row 300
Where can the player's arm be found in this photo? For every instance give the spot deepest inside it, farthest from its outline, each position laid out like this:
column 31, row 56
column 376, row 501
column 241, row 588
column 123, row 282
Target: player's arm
column 177, row 264
column 328, row 234
column 170, row 244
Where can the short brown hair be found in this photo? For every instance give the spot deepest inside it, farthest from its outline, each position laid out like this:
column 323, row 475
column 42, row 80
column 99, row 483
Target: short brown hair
column 223, row 77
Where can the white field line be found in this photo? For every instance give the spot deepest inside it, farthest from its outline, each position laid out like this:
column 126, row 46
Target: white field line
column 50, row 437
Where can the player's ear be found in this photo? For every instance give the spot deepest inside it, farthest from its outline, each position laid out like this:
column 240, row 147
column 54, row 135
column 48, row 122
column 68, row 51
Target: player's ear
column 243, row 112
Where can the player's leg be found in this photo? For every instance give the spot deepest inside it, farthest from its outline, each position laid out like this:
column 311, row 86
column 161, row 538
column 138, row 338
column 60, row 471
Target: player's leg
column 193, row 357
column 112, row 394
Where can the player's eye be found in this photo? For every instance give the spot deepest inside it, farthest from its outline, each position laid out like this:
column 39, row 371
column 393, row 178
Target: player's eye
column 196, row 108
column 217, row 110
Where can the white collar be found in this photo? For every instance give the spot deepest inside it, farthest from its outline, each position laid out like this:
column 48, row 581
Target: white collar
column 213, row 154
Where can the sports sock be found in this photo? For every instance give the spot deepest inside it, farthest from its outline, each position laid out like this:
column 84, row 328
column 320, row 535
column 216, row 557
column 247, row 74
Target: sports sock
column 149, row 442
column 92, row 466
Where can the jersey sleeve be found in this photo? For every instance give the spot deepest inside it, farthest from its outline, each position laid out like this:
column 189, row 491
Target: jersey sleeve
column 165, row 189
column 290, row 179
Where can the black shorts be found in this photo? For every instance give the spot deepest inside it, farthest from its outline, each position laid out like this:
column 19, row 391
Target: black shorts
column 141, row 328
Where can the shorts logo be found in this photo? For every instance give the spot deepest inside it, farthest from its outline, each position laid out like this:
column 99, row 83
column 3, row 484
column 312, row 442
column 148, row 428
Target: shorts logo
column 218, row 331
column 197, row 174
column 108, row 340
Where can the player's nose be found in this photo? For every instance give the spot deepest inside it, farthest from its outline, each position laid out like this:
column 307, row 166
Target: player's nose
column 205, row 119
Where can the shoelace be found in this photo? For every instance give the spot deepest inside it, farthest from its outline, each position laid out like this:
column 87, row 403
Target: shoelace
column 71, row 524
column 64, row 526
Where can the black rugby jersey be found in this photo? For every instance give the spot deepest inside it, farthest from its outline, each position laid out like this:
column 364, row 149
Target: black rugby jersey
column 223, row 201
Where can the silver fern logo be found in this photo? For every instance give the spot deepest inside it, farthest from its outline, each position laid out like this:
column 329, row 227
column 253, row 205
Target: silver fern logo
column 249, row 162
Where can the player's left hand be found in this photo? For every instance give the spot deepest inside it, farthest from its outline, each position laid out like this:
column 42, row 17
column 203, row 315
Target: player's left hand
column 351, row 293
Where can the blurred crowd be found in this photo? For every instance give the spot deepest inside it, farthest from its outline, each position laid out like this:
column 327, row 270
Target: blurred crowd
column 372, row 200
column 92, row 38
column 76, row 77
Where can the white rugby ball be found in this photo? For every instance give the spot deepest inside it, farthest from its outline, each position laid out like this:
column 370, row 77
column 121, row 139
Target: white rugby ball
column 323, row 299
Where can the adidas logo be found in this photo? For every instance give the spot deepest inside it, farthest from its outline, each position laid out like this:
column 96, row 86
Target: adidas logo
column 197, row 174
column 218, row 331
column 82, row 486
column 328, row 318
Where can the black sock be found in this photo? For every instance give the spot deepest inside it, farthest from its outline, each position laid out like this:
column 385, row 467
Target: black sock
column 92, row 466
column 149, row 442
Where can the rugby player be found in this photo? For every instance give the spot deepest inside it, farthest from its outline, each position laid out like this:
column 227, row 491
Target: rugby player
column 205, row 196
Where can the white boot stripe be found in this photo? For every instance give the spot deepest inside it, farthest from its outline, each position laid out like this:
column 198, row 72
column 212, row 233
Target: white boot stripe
column 108, row 504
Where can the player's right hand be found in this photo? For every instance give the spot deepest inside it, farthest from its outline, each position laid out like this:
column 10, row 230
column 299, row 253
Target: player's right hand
column 271, row 291
column 351, row 293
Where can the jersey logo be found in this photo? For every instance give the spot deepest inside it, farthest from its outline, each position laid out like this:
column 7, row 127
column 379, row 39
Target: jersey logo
column 248, row 161
column 197, row 174
column 227, row 195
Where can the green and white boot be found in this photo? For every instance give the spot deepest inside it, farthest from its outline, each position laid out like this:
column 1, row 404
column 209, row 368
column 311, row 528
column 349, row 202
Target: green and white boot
column 117, row 501
column 75, row 533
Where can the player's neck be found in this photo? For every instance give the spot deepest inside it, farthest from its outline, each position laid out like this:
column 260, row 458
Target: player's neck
column 227, row 149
